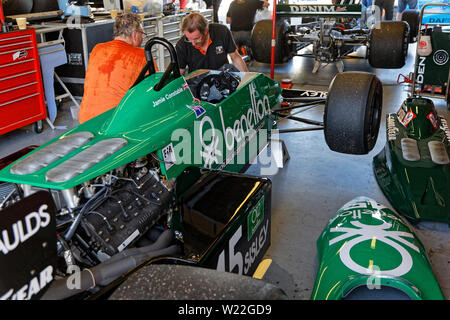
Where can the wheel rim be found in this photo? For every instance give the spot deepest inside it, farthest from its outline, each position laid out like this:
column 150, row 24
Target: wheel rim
column 376, row 104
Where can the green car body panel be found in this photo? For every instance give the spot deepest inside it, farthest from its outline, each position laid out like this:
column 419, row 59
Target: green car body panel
column 367, row 244
column 145, row 121
column 413, row 170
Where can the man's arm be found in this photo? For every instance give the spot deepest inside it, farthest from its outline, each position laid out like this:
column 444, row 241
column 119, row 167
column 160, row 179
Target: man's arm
column 228, row 17
column 181, row 56
column 238, row 62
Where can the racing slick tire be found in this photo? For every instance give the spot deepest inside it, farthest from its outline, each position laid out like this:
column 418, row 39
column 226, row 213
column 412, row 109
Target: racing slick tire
column 175, row 282
column 411, row 17
column 261, row 40
column 388, row 45
column 353, row 112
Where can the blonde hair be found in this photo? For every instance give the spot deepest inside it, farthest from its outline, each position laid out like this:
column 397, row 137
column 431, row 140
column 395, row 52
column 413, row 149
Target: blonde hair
column 126, row 23
column 194, row 21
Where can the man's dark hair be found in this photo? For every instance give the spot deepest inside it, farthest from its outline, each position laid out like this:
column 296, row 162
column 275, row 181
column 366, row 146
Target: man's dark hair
column 194, row 21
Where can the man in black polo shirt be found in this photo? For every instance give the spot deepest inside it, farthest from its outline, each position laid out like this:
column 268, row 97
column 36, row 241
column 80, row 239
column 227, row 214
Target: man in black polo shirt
column 240, row 16
column 206, row 46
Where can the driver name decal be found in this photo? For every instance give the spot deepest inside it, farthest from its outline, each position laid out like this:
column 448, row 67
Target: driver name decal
column 168, row 96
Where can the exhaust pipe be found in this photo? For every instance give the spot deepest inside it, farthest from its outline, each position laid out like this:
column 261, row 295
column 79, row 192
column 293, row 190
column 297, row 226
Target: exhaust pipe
column 108, row 271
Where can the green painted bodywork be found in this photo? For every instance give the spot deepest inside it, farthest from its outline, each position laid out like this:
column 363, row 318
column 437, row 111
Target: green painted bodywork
column 419, row 190
column 146, row 119
column 367, row 244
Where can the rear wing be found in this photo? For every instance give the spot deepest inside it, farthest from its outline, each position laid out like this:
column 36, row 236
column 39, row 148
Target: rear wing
column 341, row 9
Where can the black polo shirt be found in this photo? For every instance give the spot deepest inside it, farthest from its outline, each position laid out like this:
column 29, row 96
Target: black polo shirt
column 221, row 45
column 242, row 13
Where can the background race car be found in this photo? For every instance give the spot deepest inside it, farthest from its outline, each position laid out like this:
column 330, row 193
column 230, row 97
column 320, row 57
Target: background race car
column 334, row 31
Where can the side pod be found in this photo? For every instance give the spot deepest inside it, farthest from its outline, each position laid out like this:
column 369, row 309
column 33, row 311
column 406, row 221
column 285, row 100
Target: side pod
column 368, row 252
column 413, row 169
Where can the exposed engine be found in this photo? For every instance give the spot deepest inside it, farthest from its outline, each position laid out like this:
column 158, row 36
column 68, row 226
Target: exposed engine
column 108, row 214
column 331, row 40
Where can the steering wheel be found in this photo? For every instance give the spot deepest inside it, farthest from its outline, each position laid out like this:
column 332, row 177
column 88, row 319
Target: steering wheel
column 205, row 87
column 150, row 67
column 215, row 87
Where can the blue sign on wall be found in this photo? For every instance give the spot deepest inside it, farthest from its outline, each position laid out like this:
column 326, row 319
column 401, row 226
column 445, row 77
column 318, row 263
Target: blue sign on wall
column 436, row 14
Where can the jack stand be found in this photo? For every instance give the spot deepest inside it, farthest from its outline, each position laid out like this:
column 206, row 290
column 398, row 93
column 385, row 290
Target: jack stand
column 279, row 152
column 316, row 66
column 339, row 65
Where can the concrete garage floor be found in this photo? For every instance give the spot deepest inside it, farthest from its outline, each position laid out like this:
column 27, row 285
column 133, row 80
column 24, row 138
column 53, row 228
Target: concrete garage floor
column 313, row 185
column 317, row 182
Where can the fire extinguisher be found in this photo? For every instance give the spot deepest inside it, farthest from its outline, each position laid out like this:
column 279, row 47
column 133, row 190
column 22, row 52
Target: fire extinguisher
column 424, row 44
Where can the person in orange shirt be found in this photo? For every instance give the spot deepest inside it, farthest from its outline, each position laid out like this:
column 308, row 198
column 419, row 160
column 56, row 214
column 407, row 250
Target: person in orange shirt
column 113, row 67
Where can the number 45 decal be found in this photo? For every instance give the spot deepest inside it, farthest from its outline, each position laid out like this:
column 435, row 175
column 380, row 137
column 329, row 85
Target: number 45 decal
column 252, row 251
column 234, row 258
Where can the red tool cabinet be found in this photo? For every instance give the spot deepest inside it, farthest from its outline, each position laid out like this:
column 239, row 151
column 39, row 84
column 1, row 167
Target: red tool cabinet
column 22, row 98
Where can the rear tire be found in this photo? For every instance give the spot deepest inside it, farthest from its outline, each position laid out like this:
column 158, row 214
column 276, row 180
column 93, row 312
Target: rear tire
column 412, row 18
column 261, row 42
column 388, row 45
column 353, row 112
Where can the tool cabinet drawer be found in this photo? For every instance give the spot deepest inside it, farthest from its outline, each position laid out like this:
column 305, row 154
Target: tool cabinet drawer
column 17, row 79
column 22, row 99
column 18, row 92
column 15, row 42
column 17, row 113
column 16, row 54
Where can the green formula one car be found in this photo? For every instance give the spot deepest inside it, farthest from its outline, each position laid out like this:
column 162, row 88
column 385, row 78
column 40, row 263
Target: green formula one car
column 156, row 178
column 413, row 168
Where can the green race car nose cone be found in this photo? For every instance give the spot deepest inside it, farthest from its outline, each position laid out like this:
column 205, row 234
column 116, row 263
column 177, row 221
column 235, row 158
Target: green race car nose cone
column 368, row 249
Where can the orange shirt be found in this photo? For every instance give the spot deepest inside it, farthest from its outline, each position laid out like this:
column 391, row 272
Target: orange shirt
column 113, row 68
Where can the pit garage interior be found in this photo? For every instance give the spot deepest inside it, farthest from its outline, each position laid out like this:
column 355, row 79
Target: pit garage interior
column 313, row 184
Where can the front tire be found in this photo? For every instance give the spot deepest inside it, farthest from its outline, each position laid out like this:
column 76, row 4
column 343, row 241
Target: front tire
column 353, row 112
